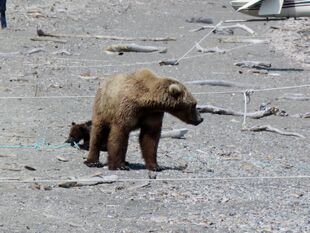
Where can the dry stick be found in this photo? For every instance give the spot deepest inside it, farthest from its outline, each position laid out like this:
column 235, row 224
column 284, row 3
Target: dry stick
column 40, row 32
column 48, row 40
column 271, row 129
column 222, row 111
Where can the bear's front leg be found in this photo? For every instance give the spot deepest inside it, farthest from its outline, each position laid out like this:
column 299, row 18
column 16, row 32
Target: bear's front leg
column 117, row 148
column 149, row 139
column 96, row 138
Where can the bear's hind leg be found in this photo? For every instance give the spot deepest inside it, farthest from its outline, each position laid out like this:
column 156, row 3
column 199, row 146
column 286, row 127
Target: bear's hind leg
column 96, row 140
column 117, row 148
column 149, row 139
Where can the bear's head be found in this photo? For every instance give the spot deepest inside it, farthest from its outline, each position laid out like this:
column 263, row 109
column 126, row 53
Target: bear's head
column 184, row 104
column 79, row 132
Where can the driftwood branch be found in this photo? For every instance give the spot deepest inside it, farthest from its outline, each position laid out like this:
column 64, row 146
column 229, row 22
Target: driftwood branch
column 121, row 48
column 40, row 32
column 272, row 129
column 222, row 111
column 175, row 133
column 236, row 26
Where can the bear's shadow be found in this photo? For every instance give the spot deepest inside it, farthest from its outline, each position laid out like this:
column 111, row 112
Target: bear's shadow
column 140, row 166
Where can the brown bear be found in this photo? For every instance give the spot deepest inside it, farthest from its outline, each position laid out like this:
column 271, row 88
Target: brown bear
column 79, row 132
column 126, row 102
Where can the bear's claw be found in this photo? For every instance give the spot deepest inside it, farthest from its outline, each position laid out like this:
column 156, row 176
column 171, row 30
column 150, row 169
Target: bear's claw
column 93, row 164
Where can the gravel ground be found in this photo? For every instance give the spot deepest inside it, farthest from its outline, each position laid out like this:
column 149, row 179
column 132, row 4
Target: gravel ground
column 217, row 179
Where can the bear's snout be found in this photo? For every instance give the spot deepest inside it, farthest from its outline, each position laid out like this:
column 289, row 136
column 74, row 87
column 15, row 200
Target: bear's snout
column 70, row 140
column 196, row 117
column 198, row 121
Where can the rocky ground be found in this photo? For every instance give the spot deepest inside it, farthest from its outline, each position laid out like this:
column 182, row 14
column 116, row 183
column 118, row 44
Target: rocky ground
column 217, row 179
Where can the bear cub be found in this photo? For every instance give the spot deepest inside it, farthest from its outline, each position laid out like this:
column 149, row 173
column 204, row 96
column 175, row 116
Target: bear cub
column 127, row 102
column 79, row 132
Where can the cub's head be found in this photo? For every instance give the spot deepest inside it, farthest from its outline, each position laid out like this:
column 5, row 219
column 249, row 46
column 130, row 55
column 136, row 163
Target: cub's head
column 79, row 132
column 184, row 104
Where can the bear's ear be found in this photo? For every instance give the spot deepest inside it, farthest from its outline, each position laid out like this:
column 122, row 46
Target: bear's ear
column 175, row 90
column 73, row 123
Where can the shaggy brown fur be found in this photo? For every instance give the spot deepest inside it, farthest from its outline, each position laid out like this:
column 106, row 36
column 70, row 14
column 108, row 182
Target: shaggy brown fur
column 139, row 100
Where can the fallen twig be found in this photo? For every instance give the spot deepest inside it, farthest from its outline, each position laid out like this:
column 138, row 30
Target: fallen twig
column 121, row 48
column 236, row 26
column 222, row 111
column 271, row 129
column 40, row 32
column 211, row 50
column 221, row 83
